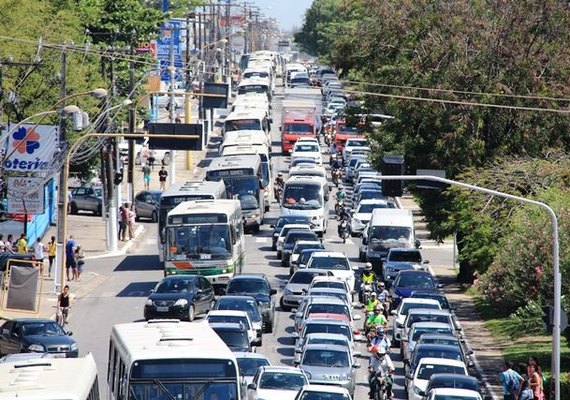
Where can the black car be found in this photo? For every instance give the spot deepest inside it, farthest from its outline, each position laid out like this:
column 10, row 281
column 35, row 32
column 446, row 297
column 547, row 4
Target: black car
column 36, row 335
column 435, row 351
column 234, row 335
column 146, row 204
column 299, row 247
column 409, row 281
column 258, row 287
column 454, row 381
column 304, row 257
column 291, row 239
column 433, row 295
column 281, row 222
column 242, row 303
column 180, row 297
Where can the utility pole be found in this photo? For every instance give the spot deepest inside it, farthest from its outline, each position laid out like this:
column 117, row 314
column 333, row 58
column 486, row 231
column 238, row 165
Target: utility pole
column 111, row 220
column 132, row 127
column 62, row 190
column 245, row 31
column 187, row 102
column 172, row 163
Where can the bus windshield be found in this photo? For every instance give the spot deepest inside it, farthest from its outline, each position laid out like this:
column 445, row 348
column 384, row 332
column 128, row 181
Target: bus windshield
column 243, row 124
column 303, row 197
column 242, row 185
column 167, row 389
column 199, row 242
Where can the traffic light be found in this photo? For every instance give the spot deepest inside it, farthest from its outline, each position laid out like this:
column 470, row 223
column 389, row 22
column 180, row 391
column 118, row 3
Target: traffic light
column 392, row 165
column 547, row 318
column 118, row 178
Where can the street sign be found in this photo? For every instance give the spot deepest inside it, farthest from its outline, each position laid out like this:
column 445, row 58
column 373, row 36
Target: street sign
column 25, row 195
column 169, row 41
column 156, row 129
column 215, row 101
column 432, row 185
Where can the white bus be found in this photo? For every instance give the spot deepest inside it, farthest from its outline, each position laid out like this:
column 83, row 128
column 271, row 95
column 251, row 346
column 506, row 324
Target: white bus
column 176, row 194
column 249, row 119
column 170, row 359
column 308, row 196
column 205, row 237
column 50, row 379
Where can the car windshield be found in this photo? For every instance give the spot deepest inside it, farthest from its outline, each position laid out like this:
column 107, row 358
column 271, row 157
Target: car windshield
column 156, row 196
column 435, row 340
column 459, row 383
column 247, row 286
column 303, row 196
column 412, row 319
column 325, row 358
column 98, row 192
column 306, row 246
column 332, row 341
column 310, row 395
column 327, row 328
column 229, row 318
column 354, row 142
column 450, row 354
column 415, row 280
column 427, row 370
column 305, row 257
column 329, row 284
column 298, row 128
column 248, row 202
column 248, row 366
column 281, row 381
column 348, row 130
column 368, row 208
column 233, row 338
column 406, row 307
column 306, row 148
column 199, row 242
column 328, row 309
column 381, row 233
column 292, row 237
column 241, row 186
column 248, row 306
column 336, row 263
column 174, row 286
column 420, row 331
column 338, row 295
column 46, row 328
column 303, row 277
column 265, row 175
column 281, row 222
column 407, row 256
column 370, row 195
column 286, row 230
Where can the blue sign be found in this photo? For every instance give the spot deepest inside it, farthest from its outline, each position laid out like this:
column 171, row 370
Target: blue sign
column 165, row 70
column 169, row 41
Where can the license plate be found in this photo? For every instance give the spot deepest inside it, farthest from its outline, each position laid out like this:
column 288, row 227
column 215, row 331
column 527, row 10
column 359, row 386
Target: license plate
column 162, row 309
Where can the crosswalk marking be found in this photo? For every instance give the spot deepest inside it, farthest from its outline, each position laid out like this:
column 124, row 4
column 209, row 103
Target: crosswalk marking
column 261, row 240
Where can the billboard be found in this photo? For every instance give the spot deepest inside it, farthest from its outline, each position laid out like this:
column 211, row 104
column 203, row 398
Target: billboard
column 156, row 129
column 170, row 40
column 25, row 195
column 217, row 89
column 30, row 148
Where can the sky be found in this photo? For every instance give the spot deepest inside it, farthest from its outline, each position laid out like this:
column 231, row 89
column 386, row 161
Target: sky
column 289, row 13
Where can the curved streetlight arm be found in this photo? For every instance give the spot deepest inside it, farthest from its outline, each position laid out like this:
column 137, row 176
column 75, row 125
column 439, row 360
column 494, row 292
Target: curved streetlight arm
column 557, row 301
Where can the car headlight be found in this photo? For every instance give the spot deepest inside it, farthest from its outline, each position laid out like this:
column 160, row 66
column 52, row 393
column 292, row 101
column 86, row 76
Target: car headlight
column 36, row 348
column 417, row 390
column 149, row 302
column 344, row 377
column 287, row 292
column 263, row 305
column 181, row 303
column 74, row 347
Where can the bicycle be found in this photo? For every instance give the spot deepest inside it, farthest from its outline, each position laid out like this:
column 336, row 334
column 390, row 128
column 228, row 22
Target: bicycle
column 61, row 315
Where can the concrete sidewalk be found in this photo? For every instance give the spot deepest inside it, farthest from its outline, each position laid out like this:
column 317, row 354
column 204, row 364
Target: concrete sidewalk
column 486, row 349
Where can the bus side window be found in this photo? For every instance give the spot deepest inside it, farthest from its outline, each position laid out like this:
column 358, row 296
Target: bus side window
column 123, row 381
column 110, row 368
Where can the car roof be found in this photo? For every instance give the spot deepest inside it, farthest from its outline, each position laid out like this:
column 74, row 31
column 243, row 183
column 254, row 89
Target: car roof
column 313, row 271
column 415, row 272
column 324, row 347
column 257, row 276
column 456, row 392
column 442, row 361
column 233, row 313
column 328, row 278
column 227, row 326
column 293, row 226
column 431, row 311
column 326, row 300
column 429, row 324
column 326, row 289
column 329, row 321
column 325, row 389
column 308, row 242
column 282, row 368
column 329, row 254
column 425, row 293
column 419, row 300
column 229, row 297
column 438, row 336
column 249, row 354
column 373, row 201
column 322, row 335
column 447, row 377
column 179, row 277
column 434, row 346
column 403, row 250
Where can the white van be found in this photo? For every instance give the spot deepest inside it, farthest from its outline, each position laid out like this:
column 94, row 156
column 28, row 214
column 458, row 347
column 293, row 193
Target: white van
column 388, row 228
column 307, row 195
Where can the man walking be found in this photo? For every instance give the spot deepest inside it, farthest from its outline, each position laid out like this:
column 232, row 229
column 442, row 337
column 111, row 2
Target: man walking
column 512, row 382
column 131, row 221
column 162, row 174
column 146, row 176
column 39, row 249
column 70, row 262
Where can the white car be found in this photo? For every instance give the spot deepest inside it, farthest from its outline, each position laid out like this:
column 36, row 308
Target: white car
column 248, row 363
column 363, row 213
column 335, row 262
column 330, row 282
column 351, row 144
column 240, row 317
column 452, row 393
column 284, row 231
column 276, row 383
column 323, row 392
column 419, row 379
column 401, row 313
column 309, row 150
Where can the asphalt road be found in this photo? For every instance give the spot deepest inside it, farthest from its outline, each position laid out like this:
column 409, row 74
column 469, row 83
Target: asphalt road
column 128, row 281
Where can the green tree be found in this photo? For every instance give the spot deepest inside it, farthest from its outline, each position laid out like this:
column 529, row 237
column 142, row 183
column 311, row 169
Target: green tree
column 319, row 24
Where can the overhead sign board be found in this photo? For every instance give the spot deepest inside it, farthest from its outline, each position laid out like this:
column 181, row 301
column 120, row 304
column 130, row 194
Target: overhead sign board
column 30, row 148
column 427, row 184
column 25, row 195
column 157, row 129
column 216, row 89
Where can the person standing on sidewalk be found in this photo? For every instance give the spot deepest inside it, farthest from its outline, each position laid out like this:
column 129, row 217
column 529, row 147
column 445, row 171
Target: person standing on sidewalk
column 70, row 263
column 162, row 175
column 512, row 382
column 22, row 245
column 122, row 223
column 146, row 176
column 39, row 256
column 79, row 260
column 131, row 222
column 52, row 251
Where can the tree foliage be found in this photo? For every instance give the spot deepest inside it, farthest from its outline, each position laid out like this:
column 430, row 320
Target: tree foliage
column 320, row 23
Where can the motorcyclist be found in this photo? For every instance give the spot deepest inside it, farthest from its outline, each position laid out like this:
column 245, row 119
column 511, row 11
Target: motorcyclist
column 368, row 277
column 381, row 340
column 381, row 366
column 340, row 195
column 278, row 184
column 343, row 216
column 336, row 164
column 372, row 303
column 376, row 319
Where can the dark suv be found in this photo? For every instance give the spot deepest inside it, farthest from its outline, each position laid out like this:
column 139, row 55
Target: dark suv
column 87, row 198
column 258, row 287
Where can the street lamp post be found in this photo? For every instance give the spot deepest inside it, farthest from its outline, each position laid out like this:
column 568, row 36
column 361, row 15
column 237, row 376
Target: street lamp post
column 556, row 331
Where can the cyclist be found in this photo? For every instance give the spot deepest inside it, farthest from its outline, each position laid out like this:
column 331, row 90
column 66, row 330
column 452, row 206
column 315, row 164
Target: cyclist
column 63, row 305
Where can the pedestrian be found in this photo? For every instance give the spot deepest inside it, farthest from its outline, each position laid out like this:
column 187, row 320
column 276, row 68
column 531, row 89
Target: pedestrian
column 64, row 304
column 131, row 222
column 146, row 176
column 70, row 263
column 526, row 391
column 124, row 222
column 2, row 248
column 151, row 159
column 9, row 243
column 39, row 256
column 162, row 175
column 22, row 245
column 535, row 382
column 79, row 260
column 52, row 251
column 512, row 382
column 144, row 155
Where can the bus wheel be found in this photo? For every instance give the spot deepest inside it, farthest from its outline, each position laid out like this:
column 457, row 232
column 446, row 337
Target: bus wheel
column 191, row 313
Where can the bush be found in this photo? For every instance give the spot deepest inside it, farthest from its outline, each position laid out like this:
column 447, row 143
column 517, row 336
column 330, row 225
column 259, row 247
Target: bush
column 527, row 320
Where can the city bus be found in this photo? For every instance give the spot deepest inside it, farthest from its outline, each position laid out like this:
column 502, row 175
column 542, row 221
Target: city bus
column 247, row 119
column 170, row 359
column 205, row 237
column 243, row 176
column 50, row 379
column 176, row 194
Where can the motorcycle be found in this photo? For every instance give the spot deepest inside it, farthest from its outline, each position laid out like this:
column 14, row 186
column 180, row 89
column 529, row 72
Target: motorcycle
column 367, row 290
column 336, row 176
column 339, row 207
column 380, row 386
column 277, row 191
column 343, row 230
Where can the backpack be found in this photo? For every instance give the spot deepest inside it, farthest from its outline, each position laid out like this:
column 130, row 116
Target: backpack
column 513, row 383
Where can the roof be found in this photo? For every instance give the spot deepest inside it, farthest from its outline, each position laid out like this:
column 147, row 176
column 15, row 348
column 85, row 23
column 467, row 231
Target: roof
column 442, row 361
column 322, row 335
column 233, row 161
column 456, row 392
column 206, row 206
column 435, row 346
column 428, row 311
column 233, row 313
column 419, row 300
column 249, row 354
column 438, row 336
column 331, row 254
column 194, row 187
column 429, row 324
column 229, row 297
column 227, row 326
column 412, row 271
column 329, row 347
column 259, row 276
column 282, row 368
column 327, row 321
column 391, row 217
column 304, row 179
column 326, row 389
column 326, row 300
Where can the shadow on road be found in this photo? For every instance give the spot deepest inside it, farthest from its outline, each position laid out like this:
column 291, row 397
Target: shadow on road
column 286, row 340
column 139, row 263
column 137, row 289
column 286, row 351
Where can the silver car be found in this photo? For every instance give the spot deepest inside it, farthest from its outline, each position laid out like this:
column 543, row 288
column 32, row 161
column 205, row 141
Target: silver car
column 329, row 364
column 297, row 286
column 87, row 198
column 325, row 338
column 146, row 204
column 399, row 259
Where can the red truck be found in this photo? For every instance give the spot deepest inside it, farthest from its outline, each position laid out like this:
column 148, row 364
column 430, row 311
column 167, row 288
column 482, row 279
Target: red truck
column 344, row 132
column 296, row 122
